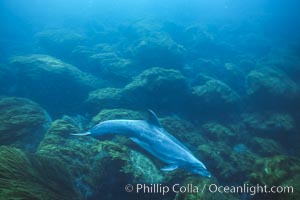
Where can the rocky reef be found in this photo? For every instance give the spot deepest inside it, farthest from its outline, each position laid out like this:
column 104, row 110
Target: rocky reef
column 228, row 92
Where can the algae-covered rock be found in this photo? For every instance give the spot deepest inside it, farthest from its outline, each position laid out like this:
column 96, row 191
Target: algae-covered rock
column 130, row 163
column 215, row 96
column 23, row 123
column 51, row 82
column 60, row 42
column 218, row 132
column 112, row 67
column 268, row 124
column 154, row 79
column 118, row 166
column 76, row 153
column 33, row 177
column 106, row 98
column 156, row 87
column 275, row 170
column 271, row 87
column 265, row 147
column 159, row 50
column 229, row 73
column 38, row 66
column 63, row 127
column 143, row 169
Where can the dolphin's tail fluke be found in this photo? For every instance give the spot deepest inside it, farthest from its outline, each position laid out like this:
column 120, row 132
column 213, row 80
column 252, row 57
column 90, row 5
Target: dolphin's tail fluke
column 82, row 134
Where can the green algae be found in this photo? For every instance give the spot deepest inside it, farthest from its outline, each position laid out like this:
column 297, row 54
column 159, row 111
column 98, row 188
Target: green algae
column 143, row 169
column 33, row 177
column 63, row 128
column 132, row 163
column 21, row 118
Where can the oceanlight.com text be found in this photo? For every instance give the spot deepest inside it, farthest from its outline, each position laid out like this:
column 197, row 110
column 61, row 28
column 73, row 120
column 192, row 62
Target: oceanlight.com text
column 211, row 188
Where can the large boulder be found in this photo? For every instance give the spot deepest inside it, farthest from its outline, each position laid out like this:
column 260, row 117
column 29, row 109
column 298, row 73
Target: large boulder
column 23, row 123
column 112, row 67
column 105, row 98
column 156, row 88
column 158, row 50
column 58, row 86
column 214, row 96
column 271, row 87
column 60, row 42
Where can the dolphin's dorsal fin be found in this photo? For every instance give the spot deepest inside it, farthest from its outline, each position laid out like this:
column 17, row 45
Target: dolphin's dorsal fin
column 152, row 118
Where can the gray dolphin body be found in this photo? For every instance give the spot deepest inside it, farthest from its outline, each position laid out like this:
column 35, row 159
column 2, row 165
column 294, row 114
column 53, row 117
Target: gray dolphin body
column 151, row 136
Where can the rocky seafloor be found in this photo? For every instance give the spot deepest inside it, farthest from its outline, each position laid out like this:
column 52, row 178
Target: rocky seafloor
column 233, row 101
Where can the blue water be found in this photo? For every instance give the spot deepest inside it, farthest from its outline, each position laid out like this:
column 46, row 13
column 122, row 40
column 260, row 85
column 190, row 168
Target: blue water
column 222, row 75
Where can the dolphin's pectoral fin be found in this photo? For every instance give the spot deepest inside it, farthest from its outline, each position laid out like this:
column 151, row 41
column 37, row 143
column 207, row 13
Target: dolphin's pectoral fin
column 152, row 118
column 169, row 168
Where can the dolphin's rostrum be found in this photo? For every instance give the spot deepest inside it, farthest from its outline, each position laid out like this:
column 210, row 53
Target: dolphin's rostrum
column 151, row 136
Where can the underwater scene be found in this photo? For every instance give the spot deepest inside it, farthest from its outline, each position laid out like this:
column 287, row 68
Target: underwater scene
column 149, row 100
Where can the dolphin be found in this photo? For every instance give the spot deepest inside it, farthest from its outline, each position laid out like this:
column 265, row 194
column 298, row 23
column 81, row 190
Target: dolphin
column 152, row 137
